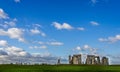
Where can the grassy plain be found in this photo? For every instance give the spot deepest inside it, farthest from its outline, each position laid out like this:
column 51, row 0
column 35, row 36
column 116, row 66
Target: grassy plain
column 59, row 68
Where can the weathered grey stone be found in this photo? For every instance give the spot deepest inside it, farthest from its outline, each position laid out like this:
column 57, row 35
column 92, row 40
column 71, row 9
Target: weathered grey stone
column 91, row 60
column 105, row 61
column 58, row 61
column 76, row 59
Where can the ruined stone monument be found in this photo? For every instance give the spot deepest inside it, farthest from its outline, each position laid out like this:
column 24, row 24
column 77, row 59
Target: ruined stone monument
column 75, row 59
column 105, row 61
column 90, row 60
column 97, row 60
column 58, row 61
column 70, row 60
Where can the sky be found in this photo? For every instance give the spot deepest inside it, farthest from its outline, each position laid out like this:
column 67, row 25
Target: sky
column 42, row 31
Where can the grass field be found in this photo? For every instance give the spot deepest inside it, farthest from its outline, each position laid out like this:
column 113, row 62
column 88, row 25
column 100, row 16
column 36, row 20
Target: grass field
column 59, row 68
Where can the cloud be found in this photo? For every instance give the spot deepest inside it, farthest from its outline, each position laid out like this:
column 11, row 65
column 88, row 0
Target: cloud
column 17, row 1
column 3, row 43
column 41, row 43
column 5, row 20
column 15, row 51
column 102, row 39
column 45, row 54
column 3, row 15
column 38, row 47
column 114, row 59
column 55, row 43
column 44, row 45
column 17, row 55
column 11, row 22
column 2, row 52
column 13, row 54
column 66, row 26
column 8, row 23
column 94, row 1
column 90, row 49
column 51, row 43
column 78, row 48
column 13, row 33
column 62, row 26
column 86, row 46
column 110, row 39
column 36, row 25
column 81, row 28
column 36, row 31
column 94, row 23
column 86, row 49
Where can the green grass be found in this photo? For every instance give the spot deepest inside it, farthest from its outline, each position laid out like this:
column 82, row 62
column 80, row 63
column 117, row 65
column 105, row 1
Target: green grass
column 59, row 68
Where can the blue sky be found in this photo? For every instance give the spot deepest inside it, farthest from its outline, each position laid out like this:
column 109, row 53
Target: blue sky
column 52, row 29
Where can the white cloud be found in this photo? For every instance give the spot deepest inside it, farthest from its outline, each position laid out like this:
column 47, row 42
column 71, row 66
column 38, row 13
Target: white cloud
column 15, row 51
column 4, row 25
column 78, row 48
column 86, row 49
column 55, row 43
column 102, row 39
column 11, row 23
column 81, row 28
column 90, row 49
column 3, row 43
column 36, row 31
column 3, row 53
column 110, row 39
column 41, row 43
column 51, row 43
column 114, row 59
column 94, row 1
column 38, row 47
column 43, row 47
column 86, row 46
column 17, row 1
column 14, row 33
column 66, row 26
column 94, row 23
column 3, row 15
column 36, row 25
column 62, row 26
column 12, row 54
column 45, row 54
column 8, row 23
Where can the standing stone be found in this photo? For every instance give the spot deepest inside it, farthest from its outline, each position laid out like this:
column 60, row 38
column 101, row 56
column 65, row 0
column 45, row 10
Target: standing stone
column 90, row 59
column 58, row 61
column 75, row 59
column 105, row 61
column 79, row 59
column 70, row 60
column 97, row 60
